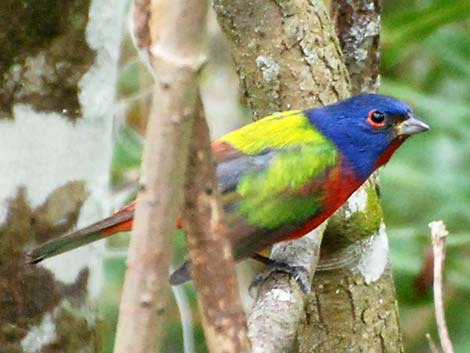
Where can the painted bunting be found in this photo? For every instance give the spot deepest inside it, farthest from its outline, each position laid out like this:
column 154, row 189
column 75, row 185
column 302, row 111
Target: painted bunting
column 283, row 175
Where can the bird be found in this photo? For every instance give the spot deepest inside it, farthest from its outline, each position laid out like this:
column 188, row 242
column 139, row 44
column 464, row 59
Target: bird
column 281, row 176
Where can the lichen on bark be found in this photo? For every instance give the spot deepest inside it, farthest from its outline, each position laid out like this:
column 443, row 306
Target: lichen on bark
column 375, row 316
column 44, row 54
column 285, row 52
column 359, row 224
column 72, row 331
column 53, row 171
column 358, row 28
column 29, row 292
column 298, row 37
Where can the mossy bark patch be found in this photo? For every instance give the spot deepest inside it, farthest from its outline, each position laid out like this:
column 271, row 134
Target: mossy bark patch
column 358, row 225
column 44, row 54
column 285, row 52
column 27, row 291
column 73, row 334
column 346, row 235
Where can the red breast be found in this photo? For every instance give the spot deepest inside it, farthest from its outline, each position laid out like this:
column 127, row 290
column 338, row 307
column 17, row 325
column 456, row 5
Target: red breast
column 340, row 184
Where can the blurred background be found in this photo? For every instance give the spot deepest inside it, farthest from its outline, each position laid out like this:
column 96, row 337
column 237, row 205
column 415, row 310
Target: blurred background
column 426, row 62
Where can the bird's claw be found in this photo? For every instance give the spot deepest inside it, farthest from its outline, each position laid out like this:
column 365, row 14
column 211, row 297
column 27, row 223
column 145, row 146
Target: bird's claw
column 298, row 273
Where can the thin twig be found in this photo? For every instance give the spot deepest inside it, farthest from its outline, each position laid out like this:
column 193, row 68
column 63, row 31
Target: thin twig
column 182, row 302
column 212, row 263
column 439, row 234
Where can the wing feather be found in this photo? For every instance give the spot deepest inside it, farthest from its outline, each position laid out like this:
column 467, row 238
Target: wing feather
column 273, row 180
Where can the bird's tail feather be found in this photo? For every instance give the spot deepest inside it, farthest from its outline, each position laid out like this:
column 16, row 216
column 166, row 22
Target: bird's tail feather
column 118, row 222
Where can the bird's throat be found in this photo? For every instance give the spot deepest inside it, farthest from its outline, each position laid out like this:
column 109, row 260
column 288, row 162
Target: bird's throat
column 387, row 154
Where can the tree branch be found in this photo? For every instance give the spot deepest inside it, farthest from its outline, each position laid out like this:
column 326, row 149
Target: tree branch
column 287, row 58
column 212, row 263
column 285, row 52
column 354, row 307
column 176, row 32
column 279, row 303
column 439, row 234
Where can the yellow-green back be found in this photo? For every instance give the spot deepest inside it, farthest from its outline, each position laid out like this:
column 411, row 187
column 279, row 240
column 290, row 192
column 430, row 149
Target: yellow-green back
column 287, row 154
column 274, row 132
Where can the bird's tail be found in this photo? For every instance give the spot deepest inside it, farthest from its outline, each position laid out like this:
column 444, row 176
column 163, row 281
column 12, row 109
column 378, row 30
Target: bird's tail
column 118, row 222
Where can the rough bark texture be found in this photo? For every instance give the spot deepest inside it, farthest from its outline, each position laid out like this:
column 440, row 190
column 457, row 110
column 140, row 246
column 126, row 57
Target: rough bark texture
column 358, row 29
column 287, row 57
column 354, row 307
column 176, row 30
column 348, row 314
column 48, row 38
column 58, row 61
column 286, row 53
column 212, row 263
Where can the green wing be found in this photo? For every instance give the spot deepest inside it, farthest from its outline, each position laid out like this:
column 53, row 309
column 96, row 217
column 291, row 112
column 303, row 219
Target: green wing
column 282, row 157
column 274, row 197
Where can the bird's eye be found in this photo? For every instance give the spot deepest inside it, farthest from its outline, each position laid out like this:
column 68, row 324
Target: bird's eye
column 376, row 118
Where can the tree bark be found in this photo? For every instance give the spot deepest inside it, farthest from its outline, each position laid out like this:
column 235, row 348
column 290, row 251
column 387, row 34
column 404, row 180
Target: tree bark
column 357, row 25
column 58, row 68
column 279, row 304
column 354, row 307
column 285, row 52
column 176, row 29
column 212, row 263
column 287, row 57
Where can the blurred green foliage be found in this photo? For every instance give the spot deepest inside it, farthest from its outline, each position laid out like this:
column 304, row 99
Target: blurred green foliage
column 426, row 62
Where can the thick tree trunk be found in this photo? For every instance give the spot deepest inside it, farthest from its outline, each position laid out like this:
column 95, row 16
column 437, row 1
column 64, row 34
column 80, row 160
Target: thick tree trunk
column 355, row 307
column 58, row 67
column 285, row 52
column 287, row 56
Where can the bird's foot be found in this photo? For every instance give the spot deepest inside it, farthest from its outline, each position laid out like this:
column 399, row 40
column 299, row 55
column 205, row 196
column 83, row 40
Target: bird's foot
column 298, row 273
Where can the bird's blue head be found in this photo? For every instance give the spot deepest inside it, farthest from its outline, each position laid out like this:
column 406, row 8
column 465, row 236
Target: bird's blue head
column 367, row 128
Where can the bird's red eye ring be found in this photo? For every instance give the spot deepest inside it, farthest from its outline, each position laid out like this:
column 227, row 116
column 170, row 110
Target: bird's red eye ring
column 376, row 118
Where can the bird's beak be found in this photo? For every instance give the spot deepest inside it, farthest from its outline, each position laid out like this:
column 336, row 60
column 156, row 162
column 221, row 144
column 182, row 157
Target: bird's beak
column 411, row 126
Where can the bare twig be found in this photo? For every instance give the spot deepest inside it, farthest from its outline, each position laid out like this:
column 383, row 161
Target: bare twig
column 439, row 234
column 212, row 263
column 187, row 323
column 176, row 29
